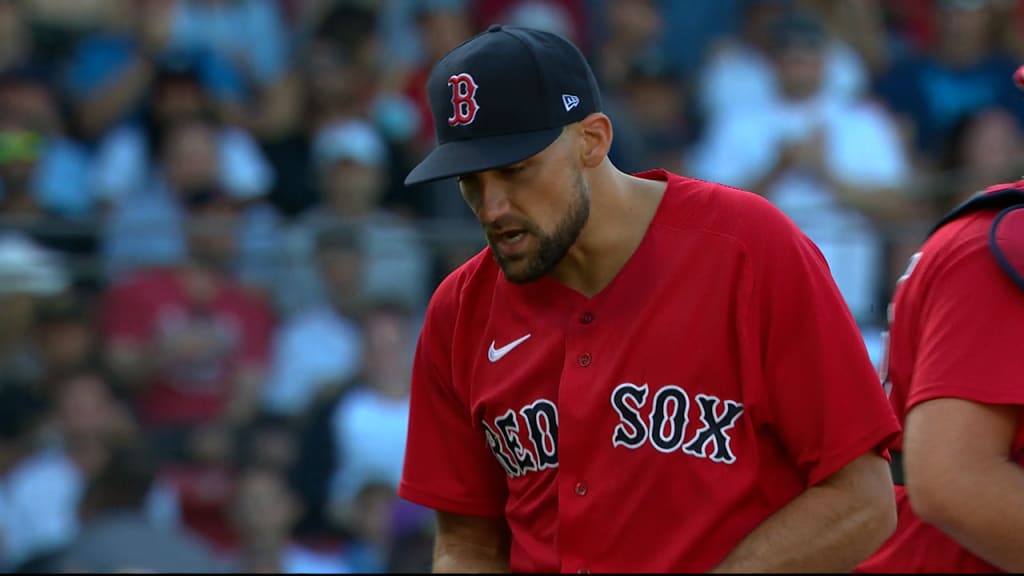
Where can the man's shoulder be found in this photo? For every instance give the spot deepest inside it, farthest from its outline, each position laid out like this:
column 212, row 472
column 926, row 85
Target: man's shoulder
column 144, row 280
column 127, row 538
column 316, row 323
column 475, row 275
column 47, row 471
column 961, row 234
column 719, row 209
column 463, row 298
column 980, row 234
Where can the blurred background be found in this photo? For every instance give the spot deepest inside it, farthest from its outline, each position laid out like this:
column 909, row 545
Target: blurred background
column 212, row 278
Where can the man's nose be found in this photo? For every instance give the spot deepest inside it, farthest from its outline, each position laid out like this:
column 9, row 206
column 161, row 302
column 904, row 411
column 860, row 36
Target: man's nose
column 493, row 202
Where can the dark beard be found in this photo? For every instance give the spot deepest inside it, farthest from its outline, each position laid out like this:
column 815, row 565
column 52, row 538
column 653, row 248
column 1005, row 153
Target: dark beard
column 553, row 247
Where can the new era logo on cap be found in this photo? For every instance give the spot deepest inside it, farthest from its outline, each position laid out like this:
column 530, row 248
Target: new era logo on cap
column 570, row 101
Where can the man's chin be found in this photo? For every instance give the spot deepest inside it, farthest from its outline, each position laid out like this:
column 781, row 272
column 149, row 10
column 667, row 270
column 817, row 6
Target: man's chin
column 520, row 279
column 518, row 271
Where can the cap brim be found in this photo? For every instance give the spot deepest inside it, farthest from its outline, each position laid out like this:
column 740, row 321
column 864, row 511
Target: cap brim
column 476, row 155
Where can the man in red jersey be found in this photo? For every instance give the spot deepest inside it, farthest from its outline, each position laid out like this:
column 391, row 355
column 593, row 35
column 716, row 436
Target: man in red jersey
column 643, row 373
column 953, row 371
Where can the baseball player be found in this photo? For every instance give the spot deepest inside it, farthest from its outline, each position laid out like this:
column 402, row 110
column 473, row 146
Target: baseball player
column 955, row 360
column 642, row 372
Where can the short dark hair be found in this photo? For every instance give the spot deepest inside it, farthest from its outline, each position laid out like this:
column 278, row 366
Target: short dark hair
column 22, row 408
column 246, row 452
column 798, row 28
column 25, row 74
column 348, row 23
column 69, row 306
column 384, row 303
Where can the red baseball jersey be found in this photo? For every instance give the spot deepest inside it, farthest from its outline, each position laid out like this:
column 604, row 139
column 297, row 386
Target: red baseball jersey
column 154, row 304
column 955, row 332
column 653, row 426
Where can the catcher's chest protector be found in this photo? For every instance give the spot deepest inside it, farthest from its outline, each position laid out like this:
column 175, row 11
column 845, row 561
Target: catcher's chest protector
column 1006, row 238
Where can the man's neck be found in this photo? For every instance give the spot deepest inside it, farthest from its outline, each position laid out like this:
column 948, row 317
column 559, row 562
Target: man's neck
column 201, row 281
column 621, row 209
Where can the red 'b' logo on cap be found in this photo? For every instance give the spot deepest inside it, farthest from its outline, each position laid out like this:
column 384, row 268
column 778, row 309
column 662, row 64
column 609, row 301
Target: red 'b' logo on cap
column 464, row 106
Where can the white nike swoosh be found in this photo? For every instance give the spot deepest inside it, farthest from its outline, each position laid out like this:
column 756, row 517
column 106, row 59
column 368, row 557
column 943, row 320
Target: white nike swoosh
column 495, row 354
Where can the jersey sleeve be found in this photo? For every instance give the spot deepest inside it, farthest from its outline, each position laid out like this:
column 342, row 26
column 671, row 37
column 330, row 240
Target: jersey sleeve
column 970, row 332
column 825, row 401
column 448, row 465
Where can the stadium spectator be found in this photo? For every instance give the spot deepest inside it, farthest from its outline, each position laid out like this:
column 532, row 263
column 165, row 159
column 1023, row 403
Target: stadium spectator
column 371, row 421
column 191, row 341
column 264, row 512
column 834, row 165
column 116, row 536
column 984, row 146
column 319, row 349
column 965, row 69
column 739, row 72
column 147, row 227
column 34, row 499
column 28, row 274
column 350, row 160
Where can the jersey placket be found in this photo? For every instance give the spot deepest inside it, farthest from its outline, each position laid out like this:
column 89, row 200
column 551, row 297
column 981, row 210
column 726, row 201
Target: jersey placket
column 575, row 439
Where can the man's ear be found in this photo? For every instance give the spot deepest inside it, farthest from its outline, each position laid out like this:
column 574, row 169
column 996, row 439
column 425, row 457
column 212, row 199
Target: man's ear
column 596, row 139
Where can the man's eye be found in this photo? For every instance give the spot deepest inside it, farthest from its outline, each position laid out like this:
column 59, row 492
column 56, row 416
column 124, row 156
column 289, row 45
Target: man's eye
column 509, row 170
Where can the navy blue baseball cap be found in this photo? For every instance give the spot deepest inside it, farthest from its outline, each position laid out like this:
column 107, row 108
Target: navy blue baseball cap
column 501, row 97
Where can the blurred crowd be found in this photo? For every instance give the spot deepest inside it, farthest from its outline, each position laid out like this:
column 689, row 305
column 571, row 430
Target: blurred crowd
column 212, row 277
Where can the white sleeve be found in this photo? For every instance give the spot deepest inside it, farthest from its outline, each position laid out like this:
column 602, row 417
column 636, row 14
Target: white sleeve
column 120, row 165
column 846, row 73
column 734, row 78
column 245, row 171
column 869, row 151
column 736, row 150
column 43, row 498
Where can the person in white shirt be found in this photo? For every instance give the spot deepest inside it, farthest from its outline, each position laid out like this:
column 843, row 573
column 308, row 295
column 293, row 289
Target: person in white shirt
column 370, row 421
column 739, row 74
column 319, row 348
column 832, row 164
column 350, row 160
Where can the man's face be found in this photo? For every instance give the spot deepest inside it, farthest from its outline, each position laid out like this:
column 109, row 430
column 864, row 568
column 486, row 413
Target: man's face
column 341, row 269
column 212, row 229
column 264, row 510
column 443, row 30
column 351, row 188
column 389, row 341
column 66, row 343
column 90, row 419
column 190, row 156
column 178, row 98
column 531, row 212
column 801, row 69
column 966, row 25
